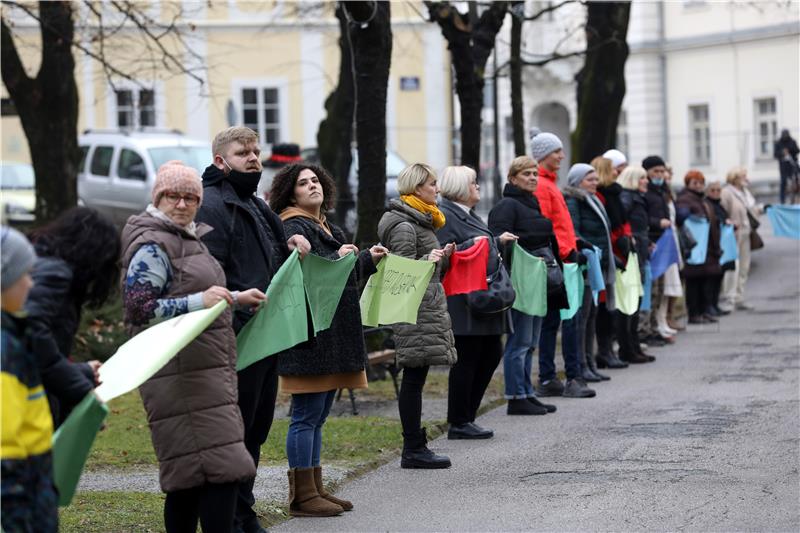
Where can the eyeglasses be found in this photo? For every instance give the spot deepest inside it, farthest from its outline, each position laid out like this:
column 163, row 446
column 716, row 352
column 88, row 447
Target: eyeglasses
column 189, row 199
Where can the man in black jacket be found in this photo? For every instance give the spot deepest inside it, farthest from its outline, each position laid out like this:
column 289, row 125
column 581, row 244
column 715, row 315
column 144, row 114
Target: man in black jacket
column 786, row 151
column 249, row 242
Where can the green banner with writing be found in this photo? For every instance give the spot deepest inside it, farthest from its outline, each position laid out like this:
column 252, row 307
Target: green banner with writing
column 393, row 294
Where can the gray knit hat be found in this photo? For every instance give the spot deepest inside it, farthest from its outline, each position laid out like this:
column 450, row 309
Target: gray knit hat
column 544, row 144
column 17, row 256
column 577, row 172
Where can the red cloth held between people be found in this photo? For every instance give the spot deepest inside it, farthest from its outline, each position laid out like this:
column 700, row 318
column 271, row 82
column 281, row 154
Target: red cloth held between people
column 467, row 272
column 554, row 208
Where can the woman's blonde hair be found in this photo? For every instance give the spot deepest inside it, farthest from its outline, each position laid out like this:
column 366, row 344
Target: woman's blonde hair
column 605, row 170
column 734, row 174
column 412, row 177
column 629, row 179
column 519, row 164
column 455, row 181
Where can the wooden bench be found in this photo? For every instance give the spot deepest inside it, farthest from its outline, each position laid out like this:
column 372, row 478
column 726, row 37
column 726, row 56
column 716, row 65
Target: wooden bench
column 383, row 358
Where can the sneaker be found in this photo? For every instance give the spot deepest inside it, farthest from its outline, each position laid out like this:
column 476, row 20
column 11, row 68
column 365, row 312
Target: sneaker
column 741, row 306
column 551, row 387
column 576, row 388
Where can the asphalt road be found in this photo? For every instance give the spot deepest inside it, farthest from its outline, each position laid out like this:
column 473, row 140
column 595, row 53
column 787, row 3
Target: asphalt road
column 707, row 438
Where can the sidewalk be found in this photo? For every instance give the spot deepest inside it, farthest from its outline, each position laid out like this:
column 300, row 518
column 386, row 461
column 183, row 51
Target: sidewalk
column 705, row 438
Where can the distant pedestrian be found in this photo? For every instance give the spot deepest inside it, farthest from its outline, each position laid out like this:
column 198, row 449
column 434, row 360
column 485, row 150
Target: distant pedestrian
column 785, row 152
column 194, row 420
column 407, row 229
column 29, row 498
column 312, row 372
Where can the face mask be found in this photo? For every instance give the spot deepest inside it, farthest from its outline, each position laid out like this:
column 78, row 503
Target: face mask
column 245, row 183
column 657, row 181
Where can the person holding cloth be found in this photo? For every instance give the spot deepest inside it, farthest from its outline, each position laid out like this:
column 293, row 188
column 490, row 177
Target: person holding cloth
column 313, row 371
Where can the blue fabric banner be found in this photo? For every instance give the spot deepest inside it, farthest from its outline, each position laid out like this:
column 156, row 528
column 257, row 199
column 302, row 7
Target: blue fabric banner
column 595, row 272
column 647, row 284
column 699, row 227
column 785, row 220
column 665, row 254
column 727, row 241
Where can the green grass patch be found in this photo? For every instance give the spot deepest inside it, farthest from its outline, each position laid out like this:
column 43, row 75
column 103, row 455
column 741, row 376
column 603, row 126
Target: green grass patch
column 101, row 332
column 117, row 512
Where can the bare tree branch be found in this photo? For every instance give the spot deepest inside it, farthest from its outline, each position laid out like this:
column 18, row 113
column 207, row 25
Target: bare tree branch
column 550, row 9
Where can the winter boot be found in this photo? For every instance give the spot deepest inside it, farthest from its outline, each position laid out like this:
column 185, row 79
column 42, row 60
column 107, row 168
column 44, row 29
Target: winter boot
column 344, row 504
column 592, row 364
column 304, row 499
column 550, row 408
column 417, row 455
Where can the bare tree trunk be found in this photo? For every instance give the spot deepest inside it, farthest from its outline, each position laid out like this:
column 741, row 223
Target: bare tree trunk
column 601, row 81
column 48, row 108
column 470, row 42
column 517, row 117
column 371, row 38
column 335, row 134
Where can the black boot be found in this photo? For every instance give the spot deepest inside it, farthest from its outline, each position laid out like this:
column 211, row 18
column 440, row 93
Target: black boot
column 610, row 360
column 524, row 407
column 417, row 455
column 592, row 364
column 536, row 402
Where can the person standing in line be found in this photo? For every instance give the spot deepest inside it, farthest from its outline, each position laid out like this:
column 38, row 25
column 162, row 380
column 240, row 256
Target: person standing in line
column 547, row 149
column 312, row 372
column 407, row 229
column 191, row 403
column 714, row 288
column 28, row 494
column 250, row 244
column 518, row 214
column 785, row 152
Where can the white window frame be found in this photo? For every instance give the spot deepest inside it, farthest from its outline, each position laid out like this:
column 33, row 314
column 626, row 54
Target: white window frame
column 693, row 161
column 758, row 119
column 281, row 84
column 112, row 118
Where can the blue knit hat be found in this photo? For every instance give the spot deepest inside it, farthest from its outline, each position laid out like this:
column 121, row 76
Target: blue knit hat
column 543, row 144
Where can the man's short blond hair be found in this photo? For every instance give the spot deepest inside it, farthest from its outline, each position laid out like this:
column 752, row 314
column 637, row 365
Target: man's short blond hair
column 521, row 163
column 241, row 134
column 412, row 177
column 455, row 181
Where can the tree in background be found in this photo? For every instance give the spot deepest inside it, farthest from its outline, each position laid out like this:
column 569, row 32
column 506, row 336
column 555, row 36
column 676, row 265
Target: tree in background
column 47, row 103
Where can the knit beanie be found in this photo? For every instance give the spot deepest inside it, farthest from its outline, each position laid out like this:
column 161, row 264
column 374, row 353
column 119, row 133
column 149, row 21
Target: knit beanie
column 617, row 158
column 577, row 172
column 17, row 256
column 174, row 176
column 544, row 144
column 652, row 161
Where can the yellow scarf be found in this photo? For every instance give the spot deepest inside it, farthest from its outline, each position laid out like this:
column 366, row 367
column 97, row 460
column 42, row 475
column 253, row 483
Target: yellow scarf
column 425, row 208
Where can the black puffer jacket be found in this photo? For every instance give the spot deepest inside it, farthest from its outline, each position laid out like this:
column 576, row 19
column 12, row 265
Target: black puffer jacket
column 53, row 319
column 340, row 348
column 612, row 194
column 248, row 238
column 518, row 212
column 657, row 208
column 636, row 212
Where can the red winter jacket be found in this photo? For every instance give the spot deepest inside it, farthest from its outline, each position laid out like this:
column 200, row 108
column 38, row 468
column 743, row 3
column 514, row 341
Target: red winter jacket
column 554, row 208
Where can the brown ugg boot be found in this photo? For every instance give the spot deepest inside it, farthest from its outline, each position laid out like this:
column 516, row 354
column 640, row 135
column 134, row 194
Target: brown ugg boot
column 344, row 504
column 304, row 500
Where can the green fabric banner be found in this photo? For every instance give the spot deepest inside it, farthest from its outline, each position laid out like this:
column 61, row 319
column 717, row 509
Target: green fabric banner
column 146, row 353
column 529, row 279
column 573, row 280
column 393, row 294
column 72, row 443
column 281, row 323
column 628, row 287
column 324, row 281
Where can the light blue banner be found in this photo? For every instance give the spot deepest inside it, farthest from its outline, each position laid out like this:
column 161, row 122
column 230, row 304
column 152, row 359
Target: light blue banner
column 699, row 227
column 785, row 220
column 647, row 285
column 727, row 241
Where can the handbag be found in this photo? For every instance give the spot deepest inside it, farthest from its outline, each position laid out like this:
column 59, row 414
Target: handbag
column 756, row 242
column 498, row 298
column 687, row 241
column 555, row 277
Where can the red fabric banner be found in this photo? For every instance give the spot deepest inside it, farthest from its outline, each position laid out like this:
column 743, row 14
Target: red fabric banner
column 467, row 272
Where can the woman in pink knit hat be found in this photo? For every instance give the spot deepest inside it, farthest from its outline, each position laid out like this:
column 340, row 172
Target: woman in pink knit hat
column 191, row 404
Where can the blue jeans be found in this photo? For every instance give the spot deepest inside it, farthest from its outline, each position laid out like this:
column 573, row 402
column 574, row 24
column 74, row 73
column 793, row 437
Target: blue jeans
column 304, row 439
column 569, row 345
column 518, row 355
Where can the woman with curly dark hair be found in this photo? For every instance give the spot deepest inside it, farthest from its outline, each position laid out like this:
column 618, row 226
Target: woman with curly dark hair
column 77, row 265
column 312, row 372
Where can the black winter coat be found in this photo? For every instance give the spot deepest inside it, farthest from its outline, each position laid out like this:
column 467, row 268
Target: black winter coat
column 587, row 223
column 657, row 208
column 462, row 228
column 339, row 348
column 53, row 319
column 518, row 212
column 690, row 203
column 613, row 204
column 248, row 238
column 636, row 211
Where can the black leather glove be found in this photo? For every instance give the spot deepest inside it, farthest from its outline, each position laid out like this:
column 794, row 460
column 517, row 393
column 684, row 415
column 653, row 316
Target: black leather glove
column 583, row 244
column 618, row 262
column 582, row 259
column 624, row 245
column 767, row 206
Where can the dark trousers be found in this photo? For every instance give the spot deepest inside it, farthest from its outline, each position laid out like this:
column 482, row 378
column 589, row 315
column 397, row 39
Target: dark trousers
column 627, row 336
column 569, row 345
column 588, row 314
column 712, row 290
column 258, row 387
column 604, row 329
column 696, row 295
column 410, row 400
column 478, row 357
column 213, row 504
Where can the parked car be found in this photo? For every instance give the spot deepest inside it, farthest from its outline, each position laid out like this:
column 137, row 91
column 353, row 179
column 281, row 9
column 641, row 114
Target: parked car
column 17, row 193
column 118, row 168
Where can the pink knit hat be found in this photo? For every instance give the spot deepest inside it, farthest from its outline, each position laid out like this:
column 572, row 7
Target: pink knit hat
column 174, row 176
